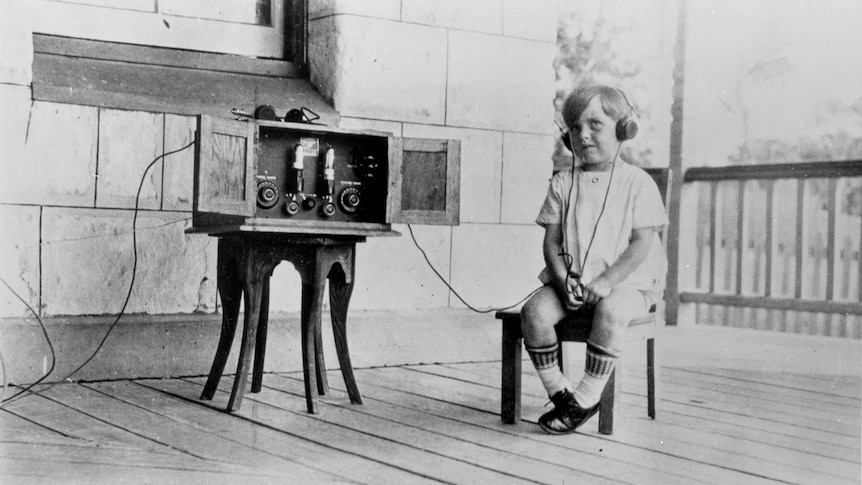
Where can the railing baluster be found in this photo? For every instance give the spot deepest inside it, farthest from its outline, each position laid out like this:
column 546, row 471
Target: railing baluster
column 740, row 233
column 800, row 242
column 830, row 239
column 713, row 232
column 770, row 195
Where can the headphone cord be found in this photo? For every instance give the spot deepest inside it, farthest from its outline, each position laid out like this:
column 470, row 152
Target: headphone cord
column 477, row 310
column 568, row 259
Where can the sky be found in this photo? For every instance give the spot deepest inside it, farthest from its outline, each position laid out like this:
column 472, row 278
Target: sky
column 775, row 63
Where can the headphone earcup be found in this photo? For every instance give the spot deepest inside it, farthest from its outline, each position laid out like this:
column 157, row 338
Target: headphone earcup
column 627, row 129
column 564, row 137
column 265, row 112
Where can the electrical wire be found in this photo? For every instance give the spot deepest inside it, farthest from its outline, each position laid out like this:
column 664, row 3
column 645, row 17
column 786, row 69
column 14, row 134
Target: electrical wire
column 47, row 339
column 471, row 307
column 125, row 303
column 568, row 259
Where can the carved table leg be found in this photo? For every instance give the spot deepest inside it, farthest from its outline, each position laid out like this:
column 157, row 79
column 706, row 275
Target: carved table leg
column 260, row 346
column 230, row 290
column 255, row 270
column 340, row 289
column 312, row 301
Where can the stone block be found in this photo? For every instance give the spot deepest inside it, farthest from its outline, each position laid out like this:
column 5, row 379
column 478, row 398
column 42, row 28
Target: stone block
column 16, row 43
column 324, row 63
column 530, row 19
column 58, row 162
column 178, row 183
column 391, row 272
column 384, row 9
column 356, row 63
column 19, row 264
column 17, row 103
column 527, row 167
column 88, row 263
column 495, row 265
column 500, row 83
column 128, row 142
column 481, row 166
column 474, row 16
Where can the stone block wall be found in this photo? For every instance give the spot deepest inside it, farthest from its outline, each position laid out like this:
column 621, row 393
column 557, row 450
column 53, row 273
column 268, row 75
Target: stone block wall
column 480, row 72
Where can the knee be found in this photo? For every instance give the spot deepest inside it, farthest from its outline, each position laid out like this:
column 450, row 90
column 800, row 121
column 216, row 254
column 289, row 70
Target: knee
column 535, row 315
column 609, row 319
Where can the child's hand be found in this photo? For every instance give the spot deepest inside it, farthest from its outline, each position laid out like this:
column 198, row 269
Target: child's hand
column 574, row 294
column 595, row 290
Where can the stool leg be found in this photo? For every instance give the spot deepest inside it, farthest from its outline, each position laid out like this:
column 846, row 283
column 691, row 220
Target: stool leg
column 652, row 372
column 312, row 301
column 608, row 406
column 339, row 299
column 260, row 345
column 510, row 395
column 230, row 290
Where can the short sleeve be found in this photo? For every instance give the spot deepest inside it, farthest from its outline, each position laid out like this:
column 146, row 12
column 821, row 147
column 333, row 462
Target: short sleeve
column 551, row 211
column 649, row 209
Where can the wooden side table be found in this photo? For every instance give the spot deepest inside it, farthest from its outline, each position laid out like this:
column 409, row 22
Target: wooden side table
column 245, row 264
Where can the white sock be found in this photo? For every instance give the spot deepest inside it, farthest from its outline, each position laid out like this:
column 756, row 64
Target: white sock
column 546, row 361
column 600, row 364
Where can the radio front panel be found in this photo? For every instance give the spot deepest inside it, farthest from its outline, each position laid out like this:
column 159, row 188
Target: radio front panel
column 312, row 179
column 307, row 175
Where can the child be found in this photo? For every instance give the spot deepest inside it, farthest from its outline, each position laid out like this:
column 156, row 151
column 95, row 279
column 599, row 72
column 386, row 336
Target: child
column 601, row 248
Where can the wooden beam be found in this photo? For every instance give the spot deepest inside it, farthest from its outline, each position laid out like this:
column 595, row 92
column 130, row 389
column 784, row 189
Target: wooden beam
column 160, row 56
column 800, row 305
column 825, row 169
column 676, row 166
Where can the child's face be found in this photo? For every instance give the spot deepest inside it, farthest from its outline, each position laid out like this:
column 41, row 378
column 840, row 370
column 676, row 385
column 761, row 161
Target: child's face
column 594, row 136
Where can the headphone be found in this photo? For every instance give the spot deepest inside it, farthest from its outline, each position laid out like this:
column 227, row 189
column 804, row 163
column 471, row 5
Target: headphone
column 626, row 128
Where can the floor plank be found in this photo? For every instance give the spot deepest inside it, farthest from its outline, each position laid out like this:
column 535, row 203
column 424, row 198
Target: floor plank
column 839, row 460
column 699, row 447
column 587, row 440
column 447, row 437
column 194, row 445
column 411, row 449
column 269, row 432
column 486, row 429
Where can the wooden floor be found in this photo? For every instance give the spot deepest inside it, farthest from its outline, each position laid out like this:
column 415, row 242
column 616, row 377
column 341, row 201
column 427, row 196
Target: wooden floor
column 718, row 423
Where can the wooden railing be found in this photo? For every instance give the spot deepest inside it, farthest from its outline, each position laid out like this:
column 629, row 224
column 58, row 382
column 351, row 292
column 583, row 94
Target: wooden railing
column 778, row 238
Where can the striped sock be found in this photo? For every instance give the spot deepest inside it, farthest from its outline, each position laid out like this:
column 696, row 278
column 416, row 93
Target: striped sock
column 545, row 359
column 600, row 364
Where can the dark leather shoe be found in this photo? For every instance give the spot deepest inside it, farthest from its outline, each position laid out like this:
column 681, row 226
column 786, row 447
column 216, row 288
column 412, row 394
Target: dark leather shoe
column 567, row 415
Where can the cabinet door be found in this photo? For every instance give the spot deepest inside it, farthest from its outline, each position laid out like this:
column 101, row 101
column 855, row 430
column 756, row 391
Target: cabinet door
column 225, row 166
column 425, row 180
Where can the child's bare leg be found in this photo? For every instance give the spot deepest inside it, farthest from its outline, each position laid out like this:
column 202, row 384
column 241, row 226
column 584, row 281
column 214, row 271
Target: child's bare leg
column 538, row 318
column 612, row 316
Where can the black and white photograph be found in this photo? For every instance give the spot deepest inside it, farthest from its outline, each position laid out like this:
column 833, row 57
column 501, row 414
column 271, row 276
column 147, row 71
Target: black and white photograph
column 430, row 241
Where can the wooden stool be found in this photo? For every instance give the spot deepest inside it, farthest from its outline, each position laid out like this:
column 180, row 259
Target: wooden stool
column 245, row 265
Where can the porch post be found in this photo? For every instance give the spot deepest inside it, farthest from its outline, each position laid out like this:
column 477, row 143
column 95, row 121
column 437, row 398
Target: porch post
column 676, row 166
